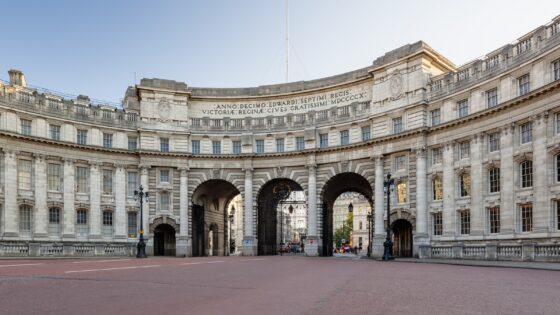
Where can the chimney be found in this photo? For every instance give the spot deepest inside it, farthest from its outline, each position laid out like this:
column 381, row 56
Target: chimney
column 17, row 78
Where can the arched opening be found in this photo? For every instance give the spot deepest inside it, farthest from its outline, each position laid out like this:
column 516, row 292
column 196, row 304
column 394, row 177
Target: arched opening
column 164, row 240
column 211, row 222
column 333, row 189
column 282, row 217
column 402, row 238
column 350, row 235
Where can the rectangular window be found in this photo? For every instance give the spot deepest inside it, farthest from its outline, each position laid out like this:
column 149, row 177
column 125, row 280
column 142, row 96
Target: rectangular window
column 132, row 224
column 557, row 157
column 556, row 69
column 492, row 97
column 437, row 220
column 526, row 217
column 164, row 202
column 195, row 146
column 435, row 116
column 463, row 108
column 54, row 221
column 437, row 186
column 464, row 150
column 366, row 133
column 107, row 140
column 107, row 228
column 300, row 144
column 24, row 174
column 464, row 185
column 236, row 147
column 437, row 156
column 280, row 145
column 164, row 176
column 81, row 223
column 54, row 132
column 260, row 146
column 494, row 180
column 131, row 183
column 344, row 137
column 526, row 133
column 523, row 85
column 216, row 147
column 493, row 142
column 465, row 217
column 164, row 144
column 494, row 220
column 107, row 182
column 81, row 136
column 323, row 140
column 557, row 123
column 54, row 177
column 25, row 127
column 400, row 163
column 25, row 213
column 397, row 125
column 558, row 215
column 401, row 192
column 82, row 179
column 526, row 174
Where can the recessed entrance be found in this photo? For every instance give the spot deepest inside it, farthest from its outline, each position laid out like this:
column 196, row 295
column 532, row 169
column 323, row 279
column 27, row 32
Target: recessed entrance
column 164, row 240
column 402, row 238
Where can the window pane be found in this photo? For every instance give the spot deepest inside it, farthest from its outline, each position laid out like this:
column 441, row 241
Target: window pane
column 24, row 174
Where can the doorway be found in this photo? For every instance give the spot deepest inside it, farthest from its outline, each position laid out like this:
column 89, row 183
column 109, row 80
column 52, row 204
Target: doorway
column 164, row 240
column 402, row 238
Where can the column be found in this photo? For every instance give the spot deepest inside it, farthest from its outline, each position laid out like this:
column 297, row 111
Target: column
column 449, row 184
column 40, row 182
column 10, row 194
column 541, row 205
column 69, row 213
column 94, row 201
column 249, row 240
column 422, row 236
column 120, row 203
column 507, row 182
column 183, row 248
column 146, row 210
column 311, row 242
column 477, row 186
column 379, row 211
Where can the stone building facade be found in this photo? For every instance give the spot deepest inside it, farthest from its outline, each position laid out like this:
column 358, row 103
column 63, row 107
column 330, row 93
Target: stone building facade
column 474, row 151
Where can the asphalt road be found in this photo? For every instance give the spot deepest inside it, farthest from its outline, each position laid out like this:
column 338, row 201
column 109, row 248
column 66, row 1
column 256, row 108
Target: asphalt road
column 270, row 285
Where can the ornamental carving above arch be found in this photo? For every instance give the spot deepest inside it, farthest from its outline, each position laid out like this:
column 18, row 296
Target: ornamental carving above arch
column 164, row 220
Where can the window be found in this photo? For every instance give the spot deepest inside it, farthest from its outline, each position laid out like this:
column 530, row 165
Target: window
column 81, row 136
column 54, row 132
column 164, row 144
column 436, row 156
column 557, row 123
column 164, row 176
column 54, row 221
column 54, row 177
column 24, row 174
column 400, row 163
column 360, row 225
column 527, row 174
column 107, row 182
column 82, row 222
column 397, row 125
column 25, row 213
column 492, row 97
column 25, row 127
column 132, row 224
column 107, row 228
column 493, row 142
column 463, row 108
column 216, row 147
column 131, row 183
column 464, row 185
column 465, row 217
column 344, row 137
column 437, row 186
column 164, row 201
column 526, row 133
column 132, row 143
column 260, row 146
column 323, row 140
column 280, row 145
column 401, row 192
column 494, row 220
column 82, row 177
column 107, row 140
column 437, row 223
column 435, row 116
column 300, row 144
column 523, row 85
column 558, row 215
column 464, row 150
column 236, row 147
column 494, row 179
column 366, row 133
column 558, row 168
column 526, row 217
column 195, row 146
column 556, row 69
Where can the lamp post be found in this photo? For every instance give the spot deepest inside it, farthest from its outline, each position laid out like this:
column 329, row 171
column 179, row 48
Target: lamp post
column 370, row 224
column 141, row 247
column 230, row 216
column 388, row 244
column 350, row 240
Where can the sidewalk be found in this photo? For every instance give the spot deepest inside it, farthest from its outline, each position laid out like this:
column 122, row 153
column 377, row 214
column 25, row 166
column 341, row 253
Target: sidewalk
column 486, row 263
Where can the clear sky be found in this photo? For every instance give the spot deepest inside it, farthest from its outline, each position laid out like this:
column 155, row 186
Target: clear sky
column 95, row 47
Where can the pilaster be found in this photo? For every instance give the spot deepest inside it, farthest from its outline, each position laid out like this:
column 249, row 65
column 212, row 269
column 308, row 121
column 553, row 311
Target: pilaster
column 449, row 186
column 477, row 186
column 120, row 202
column 311, row 245
column 40, row 217
column 540, row 170
column 507, row 181
column 421, row 237
column 379, row 237
column 183, row 248
column 69, row 215
column 95, row 200
column 249, row 240
column 10, row 193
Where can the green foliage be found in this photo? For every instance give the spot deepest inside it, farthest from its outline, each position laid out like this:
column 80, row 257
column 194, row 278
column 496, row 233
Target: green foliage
column 344, row 232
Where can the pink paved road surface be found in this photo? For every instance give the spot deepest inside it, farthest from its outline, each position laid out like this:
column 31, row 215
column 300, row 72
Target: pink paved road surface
column 270, row 285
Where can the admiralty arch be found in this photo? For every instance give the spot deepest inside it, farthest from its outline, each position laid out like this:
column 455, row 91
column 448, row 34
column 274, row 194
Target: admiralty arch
column 474, row 151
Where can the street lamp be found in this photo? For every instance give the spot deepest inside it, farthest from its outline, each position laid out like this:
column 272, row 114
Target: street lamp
column 388, row 244
column 350, row 207
column 141, row 247
column 230, row 216
column 370, row 224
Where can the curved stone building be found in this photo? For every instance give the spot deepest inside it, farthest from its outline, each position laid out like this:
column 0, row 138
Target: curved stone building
column 474, row 151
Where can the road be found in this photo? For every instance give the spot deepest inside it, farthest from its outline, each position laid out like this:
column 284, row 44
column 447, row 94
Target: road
column 270, row 285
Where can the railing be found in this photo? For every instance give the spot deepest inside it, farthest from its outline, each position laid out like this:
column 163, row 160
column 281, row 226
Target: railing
column 84, row 250
column 51, row 249
column 442, row 251
column 15, row 249
column 509, row 251
column 474, row 251
column 547, row 250
column 115, row 250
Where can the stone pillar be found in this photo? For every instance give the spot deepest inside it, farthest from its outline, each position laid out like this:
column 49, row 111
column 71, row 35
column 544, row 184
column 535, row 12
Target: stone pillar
column 541, row 206
column 40, row 182
column 421, row 237
column 94, row 201
column 449, row 184
column 183, row 244
column 120, row 203
column 477, row 186
column 10, row 194
column 507, row 182
column 379, row 211
column 249, row 240
column 145, row 224
column 69, row 215
column 311, row 241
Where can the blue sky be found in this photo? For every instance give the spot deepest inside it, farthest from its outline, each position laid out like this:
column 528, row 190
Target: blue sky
column 95, row 47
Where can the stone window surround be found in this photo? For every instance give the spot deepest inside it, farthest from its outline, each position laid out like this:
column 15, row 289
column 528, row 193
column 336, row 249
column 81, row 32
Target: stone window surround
column 432, row 177
column 159, row 183
column 458, row 173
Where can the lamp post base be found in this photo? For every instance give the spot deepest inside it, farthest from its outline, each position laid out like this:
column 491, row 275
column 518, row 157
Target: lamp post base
column 141, row 248
column 388, row 250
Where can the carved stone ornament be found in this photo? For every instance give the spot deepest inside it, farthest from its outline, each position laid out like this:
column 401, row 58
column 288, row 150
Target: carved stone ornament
column 164, row 109
column 396, row 85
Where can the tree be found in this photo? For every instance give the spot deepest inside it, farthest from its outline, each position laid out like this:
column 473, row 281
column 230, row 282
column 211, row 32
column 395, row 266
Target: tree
column 344, row 232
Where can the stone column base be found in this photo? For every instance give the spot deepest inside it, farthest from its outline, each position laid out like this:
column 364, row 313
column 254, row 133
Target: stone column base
column 377, row 246
column 311, row 246
column 419, row 240
column 149, row 247
column 181, row 247
column 249, row 247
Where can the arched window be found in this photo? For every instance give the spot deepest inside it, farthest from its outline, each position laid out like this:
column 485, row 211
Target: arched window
column 25, row 219
column 107, row 223
column 82, row 223
column 54, row 221
column 526, row 174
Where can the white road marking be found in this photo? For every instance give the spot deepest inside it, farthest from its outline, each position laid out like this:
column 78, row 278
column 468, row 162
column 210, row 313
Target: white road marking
column 17, row 265
column 203, row 262
column 98, row 261
column 254, row 259
column 114, row 268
